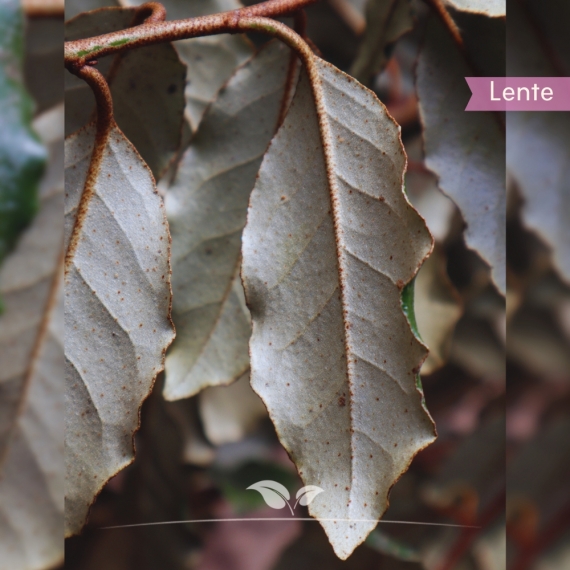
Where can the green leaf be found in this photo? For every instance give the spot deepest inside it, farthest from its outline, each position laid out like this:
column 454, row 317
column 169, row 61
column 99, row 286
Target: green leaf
column 22, row 156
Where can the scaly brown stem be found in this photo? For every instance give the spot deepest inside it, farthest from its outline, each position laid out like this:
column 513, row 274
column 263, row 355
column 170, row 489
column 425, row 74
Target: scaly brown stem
column 292, row 72
column 78, row 53
column 105, row 122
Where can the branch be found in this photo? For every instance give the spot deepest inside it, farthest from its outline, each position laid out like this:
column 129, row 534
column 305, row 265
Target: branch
column 105, row 122
column 78, row 53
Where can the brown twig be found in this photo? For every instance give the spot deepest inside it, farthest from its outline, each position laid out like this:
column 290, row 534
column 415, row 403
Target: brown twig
column 105, row 121
column 78, row 53
column 442, row 12
column 468, row 535
column 300, row 26
column 527, row 557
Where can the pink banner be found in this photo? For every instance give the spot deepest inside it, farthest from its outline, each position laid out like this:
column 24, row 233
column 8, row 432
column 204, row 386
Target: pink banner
column 519, row 94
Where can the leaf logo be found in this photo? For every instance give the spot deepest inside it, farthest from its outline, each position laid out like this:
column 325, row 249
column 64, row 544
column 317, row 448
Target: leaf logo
column 277, row 496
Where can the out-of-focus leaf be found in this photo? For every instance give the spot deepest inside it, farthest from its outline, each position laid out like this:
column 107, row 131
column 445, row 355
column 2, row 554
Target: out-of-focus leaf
column 490, row 549
column 493, row 8
column 477, row 349
column 196, row 450
column 421, row 188
column 229, row 413
column 465, row 150
column 537, row 343
column 75, row 7
column 117, row 310
column 22, row 156
column 537, row 149
column 180, row 9
column 389, row 546
column 25, row 286
column 352, row 12
column 211, row 60
column 324, row 262
column 438, row 308
column 539, row 471
column 312, row 551
column 207, row 208
column 43, row 69
column 386, row 21
column 31, row 378
column 147, row 85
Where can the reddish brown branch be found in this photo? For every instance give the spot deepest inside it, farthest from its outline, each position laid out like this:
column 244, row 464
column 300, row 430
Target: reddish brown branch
column 149, row 13
column 527, row 557
column 78, row 53
column 469, row 535
column 105, row 122
column 292, row 72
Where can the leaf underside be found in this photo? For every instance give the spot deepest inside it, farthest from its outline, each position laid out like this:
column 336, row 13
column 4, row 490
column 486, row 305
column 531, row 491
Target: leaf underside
column 465, row 150
column 117, row 305
column 207, row 208
column 538, row 153
column 332, row 354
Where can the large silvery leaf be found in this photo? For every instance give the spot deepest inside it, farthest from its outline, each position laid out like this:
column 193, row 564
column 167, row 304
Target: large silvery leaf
column 325, row 259
column 207, row 208
column 493, row 8
column 31, row 378
column 386, row 21
column 147, row 85
column 117, row 310
column 538, row 143
column 465, row 150
column 22, row 156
